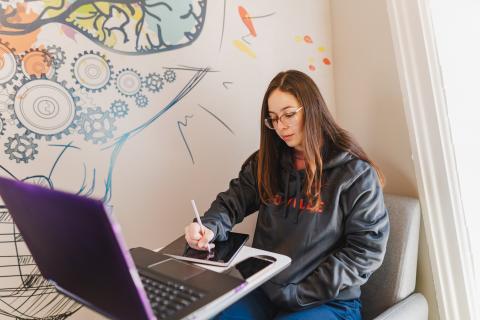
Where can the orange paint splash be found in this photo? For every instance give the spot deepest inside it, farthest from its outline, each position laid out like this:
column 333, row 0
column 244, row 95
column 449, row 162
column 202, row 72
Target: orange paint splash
column 312, row 67
column 247, row 20
column 37, row 63
column 327, row 61
column 21, row 42
column 307, row 39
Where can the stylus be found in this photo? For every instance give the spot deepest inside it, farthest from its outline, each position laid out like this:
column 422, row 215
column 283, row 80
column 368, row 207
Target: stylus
column 199, row 221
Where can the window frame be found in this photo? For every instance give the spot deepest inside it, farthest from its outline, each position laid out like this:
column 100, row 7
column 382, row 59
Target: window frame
column 433, row 156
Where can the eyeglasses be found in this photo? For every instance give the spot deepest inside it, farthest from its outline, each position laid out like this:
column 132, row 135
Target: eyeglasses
column 287, row 119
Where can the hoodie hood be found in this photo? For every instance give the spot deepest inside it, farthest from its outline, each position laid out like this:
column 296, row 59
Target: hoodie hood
column 337, row 159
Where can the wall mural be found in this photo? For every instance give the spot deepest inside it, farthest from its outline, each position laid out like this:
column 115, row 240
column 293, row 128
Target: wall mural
column 121, row 26
column 50, row 102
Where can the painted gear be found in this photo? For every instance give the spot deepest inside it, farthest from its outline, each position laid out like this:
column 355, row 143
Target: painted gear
column 128, row 82
column 96, row 125
column 169, row 75
column 141, row 101
column 37, row 62
column 119, row 109
column 21, row 148
column 3, row 124
column 9, row 64
column 153, row 82
column 92, row 71
column 57, row 55
column 44, row 107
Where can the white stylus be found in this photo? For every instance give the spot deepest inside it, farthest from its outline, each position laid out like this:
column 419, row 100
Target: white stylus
column 198, row 220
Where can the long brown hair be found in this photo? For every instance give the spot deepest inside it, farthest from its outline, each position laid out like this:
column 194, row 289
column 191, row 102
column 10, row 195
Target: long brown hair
column 319, row 129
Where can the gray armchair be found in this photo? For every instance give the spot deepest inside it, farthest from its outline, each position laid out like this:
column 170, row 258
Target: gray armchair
column 389, row 293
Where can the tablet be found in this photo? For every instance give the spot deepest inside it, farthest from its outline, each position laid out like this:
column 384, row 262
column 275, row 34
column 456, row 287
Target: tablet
column 222, row 255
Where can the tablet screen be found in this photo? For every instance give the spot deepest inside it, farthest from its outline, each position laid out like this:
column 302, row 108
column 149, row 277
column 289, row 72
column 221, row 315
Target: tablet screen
column 221, row 254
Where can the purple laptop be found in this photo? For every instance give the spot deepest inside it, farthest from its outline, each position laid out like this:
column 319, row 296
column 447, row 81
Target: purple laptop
column 79, row 247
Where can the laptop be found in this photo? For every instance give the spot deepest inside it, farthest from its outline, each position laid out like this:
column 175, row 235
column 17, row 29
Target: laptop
column 78, row 246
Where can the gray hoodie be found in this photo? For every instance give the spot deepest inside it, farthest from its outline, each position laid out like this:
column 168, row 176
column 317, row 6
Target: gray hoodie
column 334, row 251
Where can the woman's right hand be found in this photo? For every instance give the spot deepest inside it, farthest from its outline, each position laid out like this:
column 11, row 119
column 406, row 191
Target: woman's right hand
column 197, row 237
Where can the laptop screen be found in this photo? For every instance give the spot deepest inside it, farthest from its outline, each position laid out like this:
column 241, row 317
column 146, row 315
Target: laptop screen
column 74, row 243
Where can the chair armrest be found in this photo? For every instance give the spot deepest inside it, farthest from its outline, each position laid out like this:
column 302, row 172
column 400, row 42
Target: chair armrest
column 414, row 307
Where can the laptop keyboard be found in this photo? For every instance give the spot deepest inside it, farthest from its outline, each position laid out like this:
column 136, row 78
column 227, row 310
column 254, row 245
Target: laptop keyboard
column 169, row 297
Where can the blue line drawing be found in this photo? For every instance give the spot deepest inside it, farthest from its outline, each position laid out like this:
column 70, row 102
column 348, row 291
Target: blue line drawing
column 225, row 83
column 223, row 25
column 89, row 192
column 185, row 123
column 181, row 124
column 65, row 148
column 129, row 27
column 263, row 16
column 217, row 118
column 189, row 68
column 121, row 140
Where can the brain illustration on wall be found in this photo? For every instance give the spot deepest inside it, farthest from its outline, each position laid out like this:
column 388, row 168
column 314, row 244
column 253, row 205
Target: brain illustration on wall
column 48, row 94
column 124, row 26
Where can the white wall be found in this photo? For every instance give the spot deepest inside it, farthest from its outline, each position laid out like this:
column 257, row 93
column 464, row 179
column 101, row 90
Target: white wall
column 369, row 104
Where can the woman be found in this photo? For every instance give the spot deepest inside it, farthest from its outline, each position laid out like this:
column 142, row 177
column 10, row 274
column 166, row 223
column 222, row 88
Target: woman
column 320, row 202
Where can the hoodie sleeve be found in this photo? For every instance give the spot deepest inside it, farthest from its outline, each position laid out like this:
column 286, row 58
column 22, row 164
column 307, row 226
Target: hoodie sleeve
column 233, row 205
column 366, row 230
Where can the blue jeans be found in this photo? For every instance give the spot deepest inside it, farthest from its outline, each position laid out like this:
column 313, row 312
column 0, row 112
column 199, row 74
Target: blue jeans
column 256, row 305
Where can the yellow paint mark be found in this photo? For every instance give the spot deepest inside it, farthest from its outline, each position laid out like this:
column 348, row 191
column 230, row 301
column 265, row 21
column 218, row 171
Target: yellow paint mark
column 311, row 60
column 103, row 7
column 56, row 7
column 298, row 38
column 321, row 49
column 111, row 41
column 244, row 48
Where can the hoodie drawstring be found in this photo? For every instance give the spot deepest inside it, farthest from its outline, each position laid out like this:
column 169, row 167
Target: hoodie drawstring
column 285, row 196
column 296, row 202
column 297, row 196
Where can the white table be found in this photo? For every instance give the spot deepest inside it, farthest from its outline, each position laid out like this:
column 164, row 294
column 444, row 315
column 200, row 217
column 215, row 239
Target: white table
column 219, row 304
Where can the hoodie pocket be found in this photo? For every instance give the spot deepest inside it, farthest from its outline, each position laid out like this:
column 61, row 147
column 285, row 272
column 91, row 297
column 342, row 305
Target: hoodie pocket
column 284, row 297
